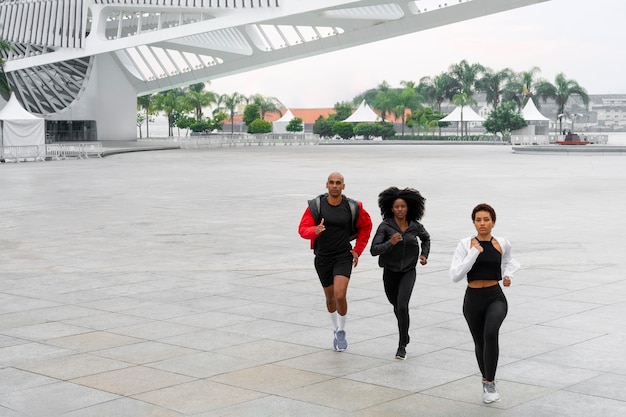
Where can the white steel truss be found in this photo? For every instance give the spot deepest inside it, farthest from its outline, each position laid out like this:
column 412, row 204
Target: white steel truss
column 162, row 44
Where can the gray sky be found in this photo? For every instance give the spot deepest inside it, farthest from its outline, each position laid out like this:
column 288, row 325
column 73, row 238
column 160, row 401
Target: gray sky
column 581, row 38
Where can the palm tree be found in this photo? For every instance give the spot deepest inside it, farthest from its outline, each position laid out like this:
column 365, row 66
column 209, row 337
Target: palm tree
column 408, row 99
column 560, row 92
column 462, row 100
column 521, row 87
column 385, row 102
column 466, row 76
column 493, row 84
column 172, row 103
column 267, row 104
column 229, row 103
column 5, row 89
column 198, row 98
column 436, row 90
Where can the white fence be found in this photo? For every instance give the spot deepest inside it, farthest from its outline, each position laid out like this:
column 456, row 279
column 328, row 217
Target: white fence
column 80, row 150
column 21, row 153
column 551, row 139
column 49, row 151
column 244, row 139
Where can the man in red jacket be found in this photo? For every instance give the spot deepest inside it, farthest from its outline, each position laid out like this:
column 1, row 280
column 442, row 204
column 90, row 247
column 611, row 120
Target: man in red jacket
column 330, row 222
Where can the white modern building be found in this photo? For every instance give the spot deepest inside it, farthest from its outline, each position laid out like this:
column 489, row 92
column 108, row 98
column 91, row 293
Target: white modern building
column 83, row 63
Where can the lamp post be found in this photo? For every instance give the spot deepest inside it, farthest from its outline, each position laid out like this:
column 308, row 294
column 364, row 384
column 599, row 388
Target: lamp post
column 574, row 116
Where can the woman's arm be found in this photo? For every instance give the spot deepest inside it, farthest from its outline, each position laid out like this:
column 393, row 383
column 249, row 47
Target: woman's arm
column 462, row 261
column 380, row 243
column 424, row 238
column 509, row 265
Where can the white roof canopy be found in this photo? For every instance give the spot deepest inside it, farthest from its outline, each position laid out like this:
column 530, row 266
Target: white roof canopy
column 363, row 114
column 286, row 117
column 530, row 112
column 469, row 115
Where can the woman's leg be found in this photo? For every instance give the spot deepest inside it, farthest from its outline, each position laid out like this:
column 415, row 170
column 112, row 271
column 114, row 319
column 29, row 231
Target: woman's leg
column 391, row 282
column 494, row 316
column 475, row 317
column 405, row 289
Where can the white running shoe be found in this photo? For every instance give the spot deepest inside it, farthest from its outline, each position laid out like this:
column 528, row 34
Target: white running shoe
column 490, row 393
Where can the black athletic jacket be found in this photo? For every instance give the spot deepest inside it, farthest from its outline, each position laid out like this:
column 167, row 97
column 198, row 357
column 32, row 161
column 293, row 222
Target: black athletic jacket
column 404, row 255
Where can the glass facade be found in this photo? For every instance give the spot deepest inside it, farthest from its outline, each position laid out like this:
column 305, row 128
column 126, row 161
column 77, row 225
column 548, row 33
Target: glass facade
column 71, row 131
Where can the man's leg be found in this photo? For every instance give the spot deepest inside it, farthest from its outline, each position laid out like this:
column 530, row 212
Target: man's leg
column 341, row 304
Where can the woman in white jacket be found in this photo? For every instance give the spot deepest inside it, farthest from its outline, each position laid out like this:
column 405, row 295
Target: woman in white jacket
column 484, row 260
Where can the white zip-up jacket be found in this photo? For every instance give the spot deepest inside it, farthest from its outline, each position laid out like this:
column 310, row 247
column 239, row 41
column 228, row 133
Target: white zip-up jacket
column 464, row 258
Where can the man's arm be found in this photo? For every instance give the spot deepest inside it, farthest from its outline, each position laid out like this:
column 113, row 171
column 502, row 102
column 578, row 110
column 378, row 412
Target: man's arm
column 364, row 229
column 307, row 226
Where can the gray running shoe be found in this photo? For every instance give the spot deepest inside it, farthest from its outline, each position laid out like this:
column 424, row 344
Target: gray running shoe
column 340, row 343
column 490, row 393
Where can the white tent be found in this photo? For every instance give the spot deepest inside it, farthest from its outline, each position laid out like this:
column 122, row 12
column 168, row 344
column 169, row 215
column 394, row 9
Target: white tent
column 20, row 128
column 363, row 114
column 531, row 114
column 536, row 122
column 280, row 125
column 469, row 115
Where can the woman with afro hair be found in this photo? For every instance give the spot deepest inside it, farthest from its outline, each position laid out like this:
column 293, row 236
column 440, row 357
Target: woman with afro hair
column 397, row 244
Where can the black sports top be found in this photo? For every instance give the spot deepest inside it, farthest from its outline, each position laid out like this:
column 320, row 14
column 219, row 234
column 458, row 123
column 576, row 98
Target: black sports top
column 335, row 241
column 488, row 264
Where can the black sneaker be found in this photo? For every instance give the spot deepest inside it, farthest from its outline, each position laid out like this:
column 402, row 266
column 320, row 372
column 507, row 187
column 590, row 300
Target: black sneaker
column 401, row 353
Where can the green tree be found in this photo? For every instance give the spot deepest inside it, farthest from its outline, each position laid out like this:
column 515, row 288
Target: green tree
column 185, row 122
column 344, row 130
column 466, row 75
column 438, row 89
column 140, row 119
column 493, row 84
column 295, row 125
column 198, row 99
column 504, row 118
column 267, row 104
column 560, row 92
column 217, row 122
column 343, row 110
column 386, row 101
column 323, row 127
column 384, row 130
column 5, row 89
column 228, row 103
column 260, row 126
column 146, row 104
column 408, row 100
column 199, row 126
column 462, row 100
column 521, row 87
column 173, row 104
column 251, row 113
column 364, row 129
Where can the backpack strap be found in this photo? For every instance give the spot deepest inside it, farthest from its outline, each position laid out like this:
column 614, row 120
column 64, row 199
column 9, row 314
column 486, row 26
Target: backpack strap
column 354, row 210
column 315, row 207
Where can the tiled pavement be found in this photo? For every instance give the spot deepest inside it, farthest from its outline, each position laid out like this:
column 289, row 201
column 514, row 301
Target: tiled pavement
column 174, row 283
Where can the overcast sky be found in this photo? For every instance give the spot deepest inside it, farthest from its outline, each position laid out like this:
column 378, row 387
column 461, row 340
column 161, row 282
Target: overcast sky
column 584, row 39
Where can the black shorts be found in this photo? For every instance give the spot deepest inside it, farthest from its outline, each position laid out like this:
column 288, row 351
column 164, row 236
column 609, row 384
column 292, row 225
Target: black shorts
column 328, row 268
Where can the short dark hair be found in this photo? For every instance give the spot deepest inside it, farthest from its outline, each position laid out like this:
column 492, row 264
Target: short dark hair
column 484, row 207
column 414, row 200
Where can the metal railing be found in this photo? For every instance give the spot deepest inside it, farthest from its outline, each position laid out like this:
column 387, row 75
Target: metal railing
column 244, row 139
column 55, row 151
column 73, row 150
column 21, row 153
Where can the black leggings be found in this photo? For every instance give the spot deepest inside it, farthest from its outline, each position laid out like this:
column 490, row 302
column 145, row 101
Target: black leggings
column 398, row 288
column 484, row 310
